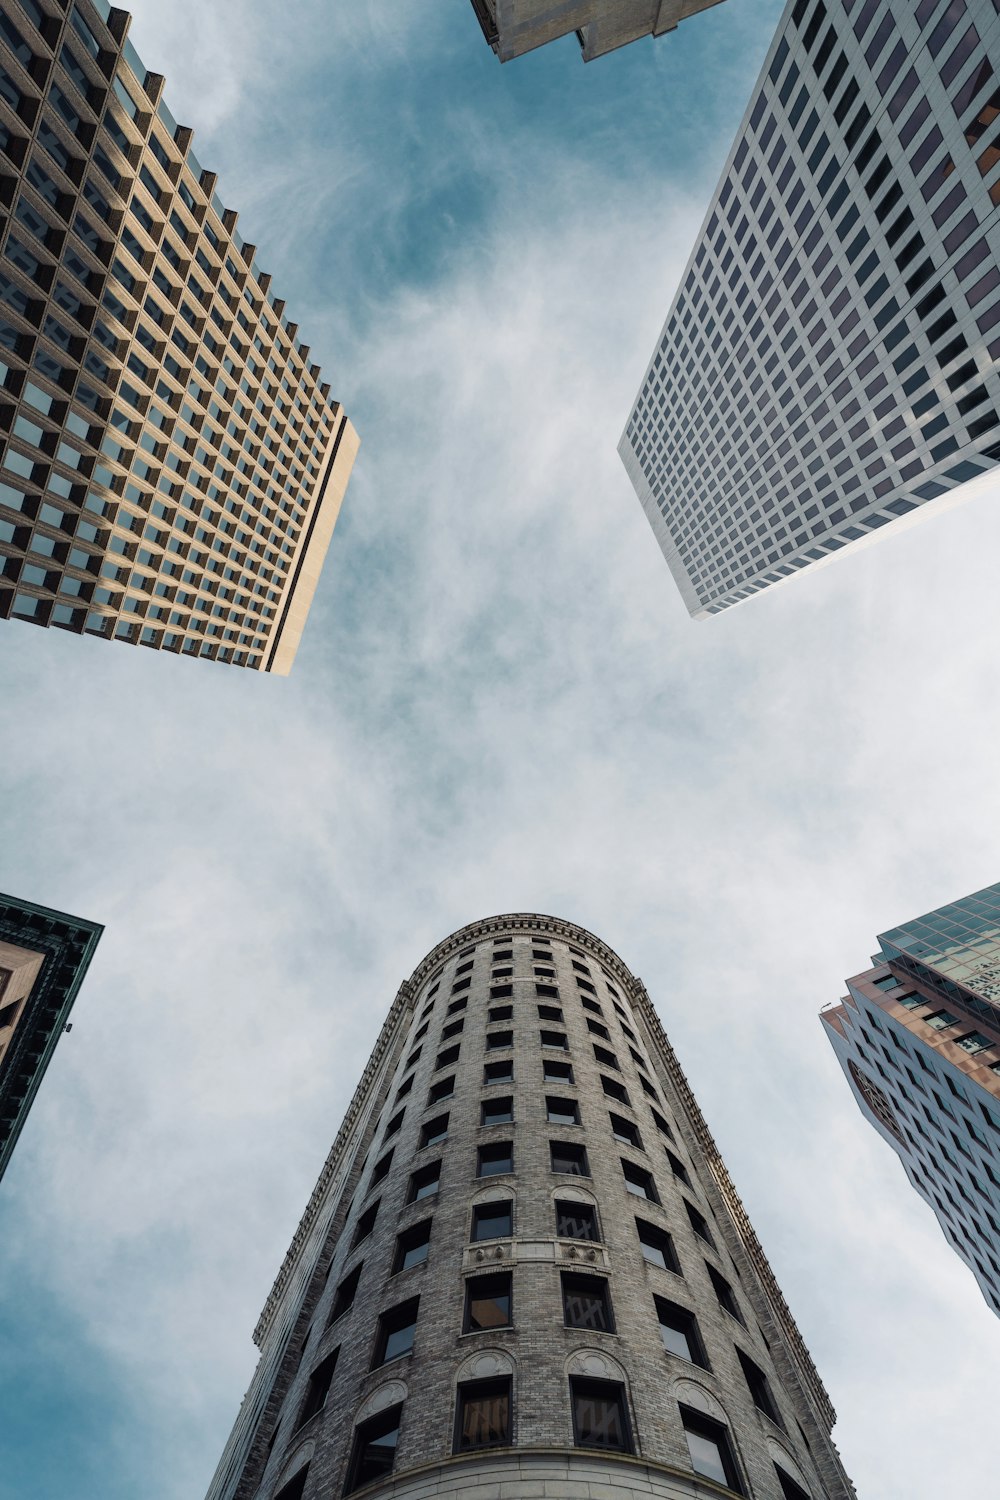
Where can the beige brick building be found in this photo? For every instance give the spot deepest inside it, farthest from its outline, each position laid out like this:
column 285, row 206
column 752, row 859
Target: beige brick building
column 172, row 462
column 524, row 1270
column 513, row 27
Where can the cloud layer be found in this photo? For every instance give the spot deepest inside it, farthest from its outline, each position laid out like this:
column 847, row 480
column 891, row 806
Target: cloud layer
column 500, row 703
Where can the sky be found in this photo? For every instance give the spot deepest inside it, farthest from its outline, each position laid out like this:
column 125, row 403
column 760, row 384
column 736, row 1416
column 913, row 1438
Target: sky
column 499, row 704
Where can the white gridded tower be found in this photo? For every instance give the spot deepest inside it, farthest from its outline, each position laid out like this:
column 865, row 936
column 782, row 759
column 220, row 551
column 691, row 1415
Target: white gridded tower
column 524, row 1269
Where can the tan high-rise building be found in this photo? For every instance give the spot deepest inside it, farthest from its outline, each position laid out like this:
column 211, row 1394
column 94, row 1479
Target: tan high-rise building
column 513, row 27
column 44, row 955
column 524, row 1269
column 173, row 464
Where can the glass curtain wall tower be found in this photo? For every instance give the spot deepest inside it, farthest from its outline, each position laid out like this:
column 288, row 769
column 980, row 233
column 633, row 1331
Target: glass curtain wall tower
column 524, row 1263
column 172, row 463
column 829, row 365
column 918, row 1037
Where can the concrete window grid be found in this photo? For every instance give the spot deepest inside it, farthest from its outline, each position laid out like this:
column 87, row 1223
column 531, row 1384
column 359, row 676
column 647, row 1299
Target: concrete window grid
column 724, row 1351
column 296, row 425
column 695, row 383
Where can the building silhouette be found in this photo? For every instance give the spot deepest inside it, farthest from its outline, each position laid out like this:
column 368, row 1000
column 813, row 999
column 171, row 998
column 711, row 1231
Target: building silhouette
column 173, row 464
column 513, row 27
column 43, row 957
column 828, row 366
column 524, row 1263
column 918, row 1037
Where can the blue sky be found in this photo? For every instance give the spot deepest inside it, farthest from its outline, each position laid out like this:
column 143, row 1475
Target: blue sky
column 500, row 704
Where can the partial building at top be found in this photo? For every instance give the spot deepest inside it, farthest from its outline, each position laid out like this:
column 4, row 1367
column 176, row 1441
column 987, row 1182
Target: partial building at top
column 524, row 1268
column 829, row 365
column 513, row 27
column 172, row 461
column 44, row 956
column 918, row 1036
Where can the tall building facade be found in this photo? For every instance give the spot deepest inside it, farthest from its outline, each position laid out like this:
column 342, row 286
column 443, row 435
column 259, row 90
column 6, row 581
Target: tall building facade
column 513, row 27
column 44, row 956
column 524, row 1266
column 829, row 365
column 918, row 1037
column 172, row 462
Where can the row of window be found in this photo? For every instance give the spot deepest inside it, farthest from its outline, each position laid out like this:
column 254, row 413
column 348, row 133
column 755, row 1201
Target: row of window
column 484, row 1419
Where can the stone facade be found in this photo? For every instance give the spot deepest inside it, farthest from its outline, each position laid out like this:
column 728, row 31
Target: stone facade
column 171, row 462
column 513, row 27
column 534, row 1018
column 44, row 955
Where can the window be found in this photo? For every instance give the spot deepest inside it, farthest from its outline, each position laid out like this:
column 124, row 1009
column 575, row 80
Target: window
column 589, row 1004
column 381, row 1168
column 569, row 1157
column 596, row 1029
column 482, row 1414
column 499, row 1072
column 374, row 1449
column 501, row 991
column 760, row 1390
column 615, row 1090
column 679, row 1332
column 545, row 1012
column 724, row 1293
column 454, row 1029
column 446, row 1057
column 639, row 1182
column 555, row 1039
column 678, row 1168
column 600, row 1418
column 710, row 1449
column 343, row 1299
column 434, row 1131
column 657, row 1246
column 605, row 1058
column 295, row 1488
column 396, row 1330
column 789, row 1488
column 561, row 1111
column 499, row 1013
column 497, row 1039
column 501, row 953
column 556, row 1072
column 443, row 1089
column 698, row 1223
column 412, row 1247
column 493, row 1221
column 499, row 1111
column 625, row 1131
column 424, row 1183
column 586, row 1302
column 394, row 1124
column 973, row 1042
column 318, row 1388
column 940, row 1019
column 662, row 1125
column 366, row 1224
column 576, row 1221
column 487, row 1302
column 496, row 1158
column 457, row 1005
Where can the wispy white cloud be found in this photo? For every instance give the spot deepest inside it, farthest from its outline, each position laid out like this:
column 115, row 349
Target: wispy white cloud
column 500, row 704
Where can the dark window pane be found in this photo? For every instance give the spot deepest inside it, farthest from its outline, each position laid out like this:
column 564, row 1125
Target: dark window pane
column 495, row 1158
column 568, row 1157
column 412, row 1247
column 498, row 1111
column 396, row 1331
column 576, row 1221
column 487, row 1302
column 562, row 1111
column 482, row 1418
column 586, row 1303
column 679, row 1332
column 374, row 1449
column 599, row 1417
column 318, row 1388
column 424, row 1183
column 492, row 1221
column 710, row 1449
